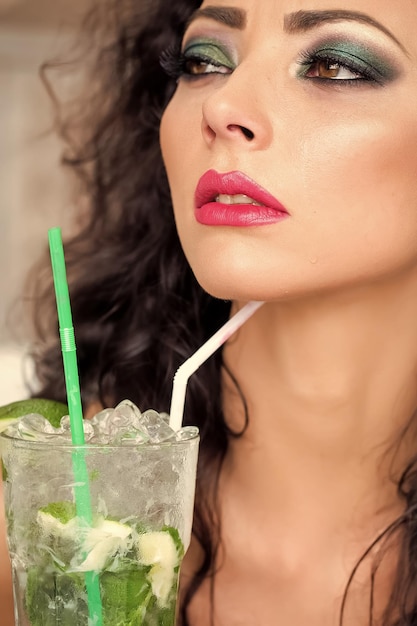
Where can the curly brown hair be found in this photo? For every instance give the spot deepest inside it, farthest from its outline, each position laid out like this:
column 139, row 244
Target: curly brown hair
column 138, row 310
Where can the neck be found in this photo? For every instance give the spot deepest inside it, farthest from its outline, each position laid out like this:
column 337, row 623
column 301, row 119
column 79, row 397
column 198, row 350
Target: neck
column 330, row 384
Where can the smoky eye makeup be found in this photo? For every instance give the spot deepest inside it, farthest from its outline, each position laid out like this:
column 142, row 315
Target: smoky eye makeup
column 346, row 62
column 198, row 56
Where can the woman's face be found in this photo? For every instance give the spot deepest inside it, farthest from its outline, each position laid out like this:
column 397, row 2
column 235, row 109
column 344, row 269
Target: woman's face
column 318, row 108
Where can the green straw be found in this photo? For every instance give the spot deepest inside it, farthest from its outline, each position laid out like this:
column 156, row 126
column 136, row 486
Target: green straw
column 66, row 330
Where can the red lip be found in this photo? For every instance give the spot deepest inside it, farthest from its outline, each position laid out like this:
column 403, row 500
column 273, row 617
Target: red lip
column 212, row 213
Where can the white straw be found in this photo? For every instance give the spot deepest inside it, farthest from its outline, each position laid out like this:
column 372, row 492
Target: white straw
column 185, row 370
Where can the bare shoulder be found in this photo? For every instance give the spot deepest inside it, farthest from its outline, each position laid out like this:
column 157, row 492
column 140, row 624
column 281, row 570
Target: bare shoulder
column 6, row 592
column 199, row 608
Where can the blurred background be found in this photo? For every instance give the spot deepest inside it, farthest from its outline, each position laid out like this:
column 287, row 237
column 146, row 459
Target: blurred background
column 34, row 190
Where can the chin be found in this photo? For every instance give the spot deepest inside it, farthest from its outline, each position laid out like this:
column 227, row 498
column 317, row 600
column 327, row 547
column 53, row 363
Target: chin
column 229, row 267
column 274, row 284
column 238, row 286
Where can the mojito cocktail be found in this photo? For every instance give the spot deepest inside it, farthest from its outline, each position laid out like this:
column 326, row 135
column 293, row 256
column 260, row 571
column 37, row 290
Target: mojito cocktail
column 141, row 480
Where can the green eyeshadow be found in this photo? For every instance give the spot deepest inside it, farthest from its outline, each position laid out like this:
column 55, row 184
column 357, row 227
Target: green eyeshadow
column 208, row 50
column 361, row 57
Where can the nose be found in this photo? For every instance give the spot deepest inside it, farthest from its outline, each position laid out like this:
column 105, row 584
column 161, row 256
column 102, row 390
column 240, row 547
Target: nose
column 235, row 113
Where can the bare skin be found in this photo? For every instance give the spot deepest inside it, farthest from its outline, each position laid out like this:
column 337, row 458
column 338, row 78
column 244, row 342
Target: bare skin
column 328, row 365
column 6, row 594
column 301, row 506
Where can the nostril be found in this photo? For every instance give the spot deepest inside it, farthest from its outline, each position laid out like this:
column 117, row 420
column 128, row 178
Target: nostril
column 248, row 133
column 242, row 129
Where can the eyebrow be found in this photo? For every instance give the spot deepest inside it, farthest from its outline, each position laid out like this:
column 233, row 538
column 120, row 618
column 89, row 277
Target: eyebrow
column 302, row 21
column 299, row 21
column 230, row 16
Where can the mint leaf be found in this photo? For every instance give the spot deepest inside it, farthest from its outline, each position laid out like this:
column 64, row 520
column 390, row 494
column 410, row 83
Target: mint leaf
column 125, row 597
column 52, row 598
column 62, row 511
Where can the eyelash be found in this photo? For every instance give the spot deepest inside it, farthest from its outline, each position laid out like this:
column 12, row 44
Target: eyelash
column 174, row 62
column 363, row 74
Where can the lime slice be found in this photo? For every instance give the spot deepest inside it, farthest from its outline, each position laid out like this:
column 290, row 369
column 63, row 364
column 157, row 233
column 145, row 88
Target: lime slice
column 101, row 542
column 158, row 550
column 53, row 411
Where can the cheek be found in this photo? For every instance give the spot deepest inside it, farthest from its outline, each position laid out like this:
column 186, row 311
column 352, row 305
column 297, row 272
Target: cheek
column 178, row 140
column 359, row 159
column 365, row 172
column 361, row 184
column 167, row 137
column 179, row 126
column 177, row 145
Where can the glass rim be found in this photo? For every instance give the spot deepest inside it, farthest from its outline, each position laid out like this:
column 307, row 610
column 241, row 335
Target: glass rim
column 39, row 445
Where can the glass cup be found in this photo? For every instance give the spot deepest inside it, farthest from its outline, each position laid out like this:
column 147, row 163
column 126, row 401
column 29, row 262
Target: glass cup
column 142, row 499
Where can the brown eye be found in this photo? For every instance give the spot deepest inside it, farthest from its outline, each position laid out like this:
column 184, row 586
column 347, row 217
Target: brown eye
column 327, row 69
column 343, row 65
column 331, row 70
column 195, row 67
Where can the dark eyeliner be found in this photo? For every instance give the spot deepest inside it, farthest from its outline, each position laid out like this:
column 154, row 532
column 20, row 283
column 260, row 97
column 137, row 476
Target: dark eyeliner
column 358, row 58
column 197, row 53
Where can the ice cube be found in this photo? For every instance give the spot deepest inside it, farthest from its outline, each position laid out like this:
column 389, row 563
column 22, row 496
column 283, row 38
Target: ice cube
column 88, row 430
column 133, row 438
column 186, row 432
column 156, row 427
column 65, row 429
column 124, row 425
column 119, row 425
column 101, row 425
column 165, row 416
column 128, row 411
column 34, row 426
column 101, row 420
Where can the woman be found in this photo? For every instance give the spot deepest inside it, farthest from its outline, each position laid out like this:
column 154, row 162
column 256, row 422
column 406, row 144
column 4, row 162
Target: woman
column 288, row 135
